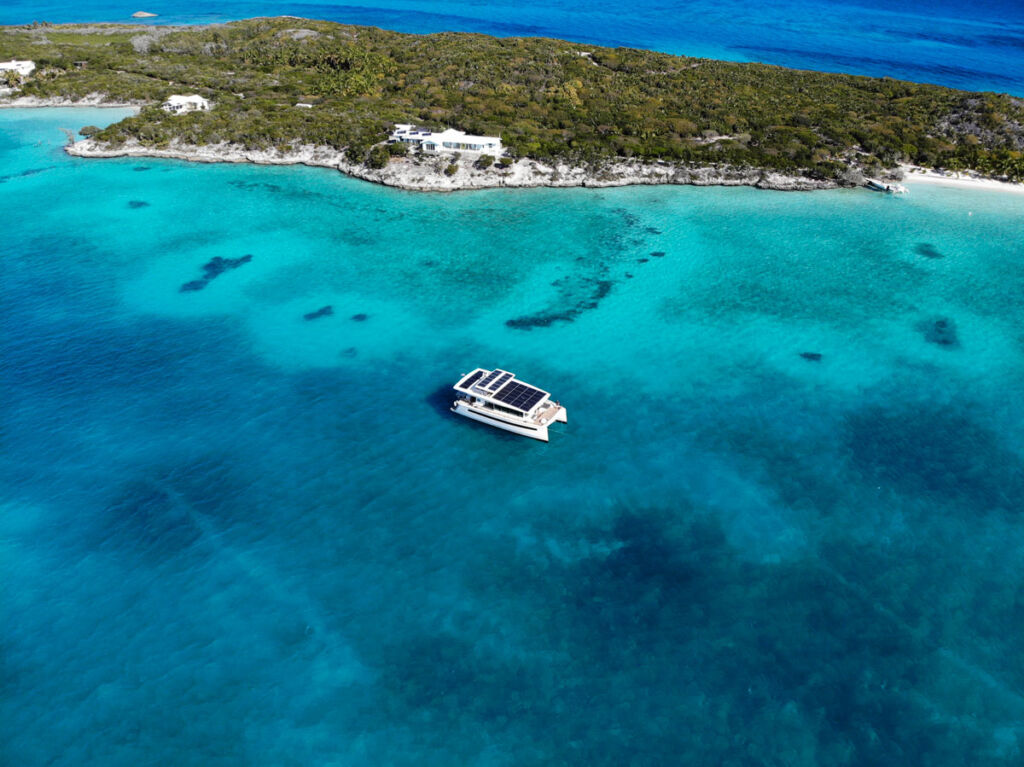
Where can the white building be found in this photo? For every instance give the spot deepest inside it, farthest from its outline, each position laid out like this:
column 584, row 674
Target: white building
column 21, row 67
column 449, row 140
column 182, row 104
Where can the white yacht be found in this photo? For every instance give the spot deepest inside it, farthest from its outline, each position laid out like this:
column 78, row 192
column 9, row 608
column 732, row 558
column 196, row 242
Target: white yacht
column 496, row 398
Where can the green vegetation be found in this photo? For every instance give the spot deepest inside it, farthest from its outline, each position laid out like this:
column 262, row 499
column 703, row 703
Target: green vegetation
column 378, row 157
column 548, row 99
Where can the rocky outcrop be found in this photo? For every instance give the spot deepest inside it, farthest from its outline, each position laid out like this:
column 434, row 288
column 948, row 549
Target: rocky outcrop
column 428, row 173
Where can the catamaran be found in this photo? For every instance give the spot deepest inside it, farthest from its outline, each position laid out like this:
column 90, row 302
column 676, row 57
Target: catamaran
column 496, row 398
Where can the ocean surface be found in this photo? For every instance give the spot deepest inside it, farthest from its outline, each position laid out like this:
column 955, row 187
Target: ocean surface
column 782, row 526
column 977, row 45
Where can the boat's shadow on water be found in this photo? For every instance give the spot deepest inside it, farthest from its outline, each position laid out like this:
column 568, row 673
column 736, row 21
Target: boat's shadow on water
column 441, row 399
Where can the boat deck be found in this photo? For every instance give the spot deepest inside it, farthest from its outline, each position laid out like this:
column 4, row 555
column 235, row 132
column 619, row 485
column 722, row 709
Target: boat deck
column 547, row 414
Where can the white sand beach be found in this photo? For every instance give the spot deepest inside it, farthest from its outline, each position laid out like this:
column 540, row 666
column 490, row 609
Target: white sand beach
column 915, row 174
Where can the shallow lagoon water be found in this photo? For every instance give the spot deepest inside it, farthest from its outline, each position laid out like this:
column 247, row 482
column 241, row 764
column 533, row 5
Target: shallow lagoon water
column 234, row 535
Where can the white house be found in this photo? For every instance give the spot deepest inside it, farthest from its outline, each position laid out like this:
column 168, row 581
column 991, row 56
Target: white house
column 449, row 140
column 182, row 104
column 21, row 67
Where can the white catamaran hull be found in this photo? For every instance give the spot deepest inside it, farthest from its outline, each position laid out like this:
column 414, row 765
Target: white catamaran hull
column 495, row 419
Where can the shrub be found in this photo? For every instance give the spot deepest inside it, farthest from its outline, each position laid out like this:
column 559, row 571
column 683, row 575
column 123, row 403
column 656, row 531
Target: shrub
column 452, row 169
column 504, row 162
column 89, row 131
column 484, row 162
column 379, row 157
column 398, row 149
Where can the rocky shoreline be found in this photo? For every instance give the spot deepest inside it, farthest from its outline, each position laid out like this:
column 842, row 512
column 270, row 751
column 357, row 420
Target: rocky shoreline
column 428, row 173
column 90, row 100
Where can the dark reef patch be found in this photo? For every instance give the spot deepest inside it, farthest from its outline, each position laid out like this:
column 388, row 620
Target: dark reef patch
column 349, row 352
column 217, row 265
column 629, row 276
column 212, row 269
column 658, row 253
column 252, row 186
column 323, row 311
column 141, row 168
column 940, row 331
column 652, row 230
column 628, row 218
column 25, row 173
column 148, row 516
column 812, row 656
column 935, row 452
column 927, row 250
column 594, row 289
column 137, row 204
column 812, row 356
column 360, row 317
column 642, row 260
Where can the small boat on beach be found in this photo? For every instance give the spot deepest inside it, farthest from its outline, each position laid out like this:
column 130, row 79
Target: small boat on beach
column 882, row 186
column 497, row 398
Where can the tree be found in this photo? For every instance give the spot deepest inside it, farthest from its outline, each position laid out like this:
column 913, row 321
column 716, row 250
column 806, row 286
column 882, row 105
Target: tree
column 379, row 157
column 88, row 131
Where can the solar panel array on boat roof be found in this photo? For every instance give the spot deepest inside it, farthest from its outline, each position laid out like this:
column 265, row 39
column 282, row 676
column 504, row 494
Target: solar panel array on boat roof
column 519, row 395
column 471, row 379
column 488, row 378
column 499, row 381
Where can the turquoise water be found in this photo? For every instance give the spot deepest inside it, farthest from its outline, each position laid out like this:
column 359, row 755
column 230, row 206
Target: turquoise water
column 231, row 535
column 977, row 45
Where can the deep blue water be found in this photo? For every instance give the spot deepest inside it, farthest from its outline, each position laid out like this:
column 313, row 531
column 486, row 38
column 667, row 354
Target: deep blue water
column 978, row 45
column 230, row 535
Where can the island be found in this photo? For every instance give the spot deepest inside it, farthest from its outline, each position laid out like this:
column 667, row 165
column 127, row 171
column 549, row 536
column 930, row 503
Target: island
column 291, row 90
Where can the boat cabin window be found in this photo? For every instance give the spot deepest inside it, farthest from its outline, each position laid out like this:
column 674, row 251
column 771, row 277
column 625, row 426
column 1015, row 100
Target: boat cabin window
column 509, row 410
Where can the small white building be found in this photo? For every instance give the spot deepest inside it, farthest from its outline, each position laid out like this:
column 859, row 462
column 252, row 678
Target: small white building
column 449, row 140
column 182, row 104
column 21, row 67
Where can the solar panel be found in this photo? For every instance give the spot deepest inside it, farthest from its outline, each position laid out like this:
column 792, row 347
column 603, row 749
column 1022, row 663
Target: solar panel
column 497, row 384
column 489, row 377
column 519, row 395
column 471, row 379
